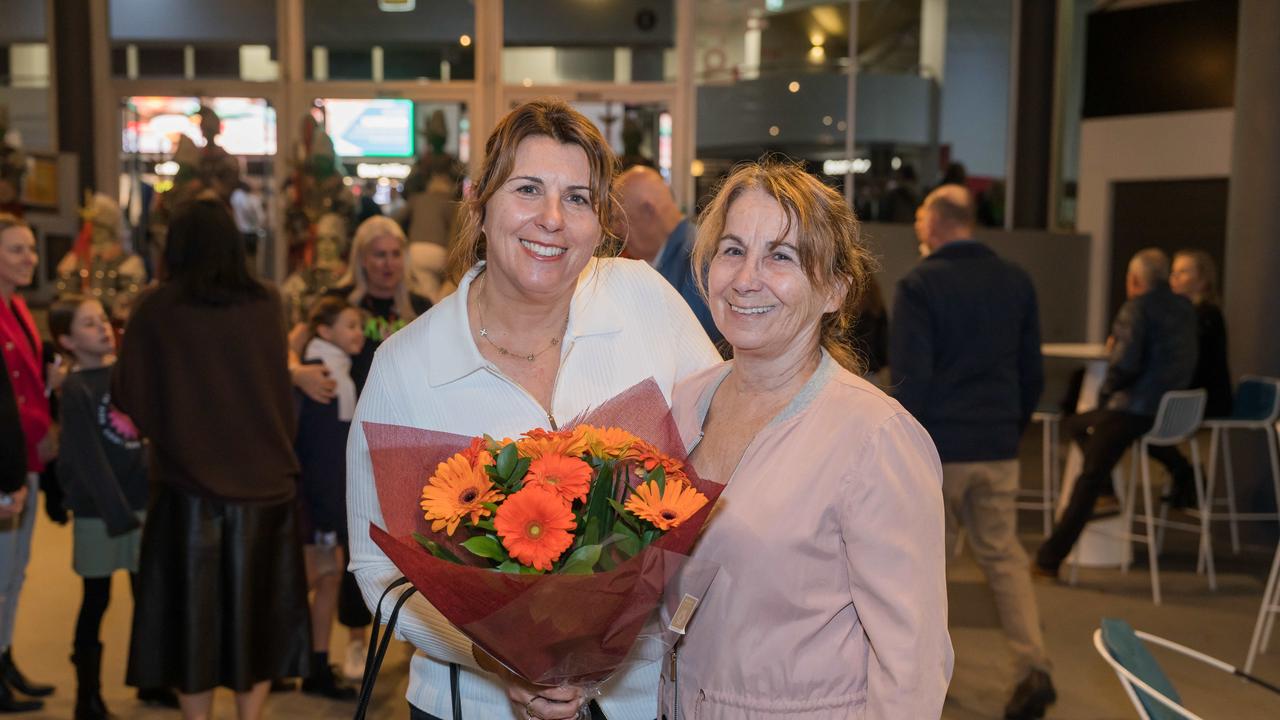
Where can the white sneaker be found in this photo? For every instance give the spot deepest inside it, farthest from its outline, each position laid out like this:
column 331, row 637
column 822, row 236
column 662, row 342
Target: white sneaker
column 353, row 664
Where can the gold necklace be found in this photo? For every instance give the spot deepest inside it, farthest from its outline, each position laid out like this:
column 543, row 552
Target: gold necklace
column 484, row 333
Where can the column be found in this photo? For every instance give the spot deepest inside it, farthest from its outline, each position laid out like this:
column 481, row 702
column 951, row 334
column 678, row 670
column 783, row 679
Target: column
column 1252, row 263
column 1032, row 125
column 72, row 38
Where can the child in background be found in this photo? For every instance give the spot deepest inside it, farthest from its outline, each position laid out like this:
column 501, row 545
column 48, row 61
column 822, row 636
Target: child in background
column 103, row 472
column 337, row 333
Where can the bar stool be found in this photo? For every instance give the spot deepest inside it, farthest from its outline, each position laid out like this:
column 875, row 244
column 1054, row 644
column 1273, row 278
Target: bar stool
column 1177, row 420
column 1256, row 407
column 1266, row 615
column 1045, row 498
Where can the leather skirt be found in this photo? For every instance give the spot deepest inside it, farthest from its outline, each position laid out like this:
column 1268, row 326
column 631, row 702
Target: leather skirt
column 222, row 595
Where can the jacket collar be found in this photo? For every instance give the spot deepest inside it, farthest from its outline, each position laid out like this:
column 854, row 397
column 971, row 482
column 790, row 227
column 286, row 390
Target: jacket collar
column 452, row 351
column 961, row 249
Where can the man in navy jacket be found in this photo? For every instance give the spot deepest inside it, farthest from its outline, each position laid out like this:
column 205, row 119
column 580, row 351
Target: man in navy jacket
column 965, row 360
column 658, row 233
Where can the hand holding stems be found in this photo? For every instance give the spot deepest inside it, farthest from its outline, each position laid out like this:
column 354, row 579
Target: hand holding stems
column 535, row 701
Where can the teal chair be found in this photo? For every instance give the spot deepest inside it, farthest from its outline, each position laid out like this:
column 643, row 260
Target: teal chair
column 1152, row 693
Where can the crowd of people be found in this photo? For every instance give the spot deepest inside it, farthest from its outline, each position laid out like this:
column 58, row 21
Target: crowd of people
column 207, row 442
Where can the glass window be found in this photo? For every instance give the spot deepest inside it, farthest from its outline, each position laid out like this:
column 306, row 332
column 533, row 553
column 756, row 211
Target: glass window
column 231, row 39
column 770, row 80
column 358, row 41
column 932, row 90
column 25, row 82
column 556, row 42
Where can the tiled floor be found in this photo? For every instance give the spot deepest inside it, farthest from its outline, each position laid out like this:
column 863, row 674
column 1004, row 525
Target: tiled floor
column 1217, row 623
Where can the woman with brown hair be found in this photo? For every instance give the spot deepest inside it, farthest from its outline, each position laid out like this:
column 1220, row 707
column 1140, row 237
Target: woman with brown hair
column 545, row 324
column 831, row 599
column 221, row 598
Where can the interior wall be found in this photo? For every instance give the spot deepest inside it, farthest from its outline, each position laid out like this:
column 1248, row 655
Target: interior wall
column 975, row 89
column 1161, row 146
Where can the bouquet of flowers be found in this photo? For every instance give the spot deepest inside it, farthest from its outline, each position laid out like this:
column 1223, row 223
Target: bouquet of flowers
column 552, row 552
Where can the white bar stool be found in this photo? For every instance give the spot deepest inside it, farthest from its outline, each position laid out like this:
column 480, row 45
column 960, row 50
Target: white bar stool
column 1045, row 499
column 1177, row 420
column 1256, row 407
column 1266, row 615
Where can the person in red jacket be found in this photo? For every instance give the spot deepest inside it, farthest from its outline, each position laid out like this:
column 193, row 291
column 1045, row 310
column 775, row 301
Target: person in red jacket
column 20, row 344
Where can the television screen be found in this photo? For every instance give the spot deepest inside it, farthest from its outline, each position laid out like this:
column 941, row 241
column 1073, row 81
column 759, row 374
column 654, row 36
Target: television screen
column 153, row 124
column 370, row 128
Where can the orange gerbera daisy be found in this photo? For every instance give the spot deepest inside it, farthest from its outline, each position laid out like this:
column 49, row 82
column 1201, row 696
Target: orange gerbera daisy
column 568, row 477
column 535, row 526
column 456, row 489
column 649, row 457
column 477, row 453
column 666, row 509
column 608, row 442
column 539, row 443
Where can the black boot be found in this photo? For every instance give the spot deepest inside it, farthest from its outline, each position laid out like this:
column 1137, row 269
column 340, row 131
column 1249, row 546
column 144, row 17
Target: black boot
column 89, row 704
column 14, row 678
column 322, row 681
column 10, row 703
column 1031, row 698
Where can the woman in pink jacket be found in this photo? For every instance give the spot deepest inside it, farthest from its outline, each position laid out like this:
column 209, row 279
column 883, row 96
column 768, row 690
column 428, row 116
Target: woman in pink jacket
column 831, row 598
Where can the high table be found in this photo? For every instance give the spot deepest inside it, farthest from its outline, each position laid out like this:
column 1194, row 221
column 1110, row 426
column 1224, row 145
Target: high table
column 1102, row 543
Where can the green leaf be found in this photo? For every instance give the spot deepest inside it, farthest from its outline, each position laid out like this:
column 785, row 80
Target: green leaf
column 510, row 566
column 486, row 525
column 485, row 546
column 522, row 467
column 506, row 461
column 526, row 570
column 591, row 536
column 659, row 476
column 625, row 544
column 582, row 561
column 436, row 549
column 624, row 515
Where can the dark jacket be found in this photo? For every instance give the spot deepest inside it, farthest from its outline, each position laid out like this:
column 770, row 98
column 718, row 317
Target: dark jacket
column 13, row 446
column 675, row 263
column 321, row 447
column 1212, row 371
column 101, row 460
column 964, row 351
column 1154, row 352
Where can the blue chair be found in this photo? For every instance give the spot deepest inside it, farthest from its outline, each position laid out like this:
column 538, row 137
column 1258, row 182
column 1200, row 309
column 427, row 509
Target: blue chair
column 1256, row 407
column 1149, row 689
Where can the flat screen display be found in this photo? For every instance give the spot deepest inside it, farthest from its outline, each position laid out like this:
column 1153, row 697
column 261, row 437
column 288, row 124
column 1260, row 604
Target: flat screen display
column 153, row 124
column 370, row 128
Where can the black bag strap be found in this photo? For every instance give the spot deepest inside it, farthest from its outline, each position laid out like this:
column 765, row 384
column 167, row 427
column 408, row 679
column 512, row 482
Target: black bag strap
column 454, row 672
column 378, row 644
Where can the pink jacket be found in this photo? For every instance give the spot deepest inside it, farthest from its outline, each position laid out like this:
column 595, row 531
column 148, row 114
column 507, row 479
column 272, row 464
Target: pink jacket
column 831, row 599
column 26, row 375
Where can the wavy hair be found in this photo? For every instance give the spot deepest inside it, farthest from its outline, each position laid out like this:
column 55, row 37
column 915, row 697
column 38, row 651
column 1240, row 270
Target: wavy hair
column 828, row 241
column 548, row 117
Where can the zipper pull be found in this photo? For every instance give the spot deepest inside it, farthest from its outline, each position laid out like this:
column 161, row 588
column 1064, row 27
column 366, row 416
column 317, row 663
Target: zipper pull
column 552, row 419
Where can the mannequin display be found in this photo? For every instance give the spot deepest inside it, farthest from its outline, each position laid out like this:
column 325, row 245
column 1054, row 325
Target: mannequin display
column 304, row 285
column 99, row 266
column 315, row 188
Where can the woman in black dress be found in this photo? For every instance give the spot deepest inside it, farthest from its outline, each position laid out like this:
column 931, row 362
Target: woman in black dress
column 1195, row 276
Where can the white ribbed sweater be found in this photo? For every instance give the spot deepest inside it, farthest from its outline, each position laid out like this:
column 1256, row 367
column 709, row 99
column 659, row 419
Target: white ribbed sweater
column 626, row 324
